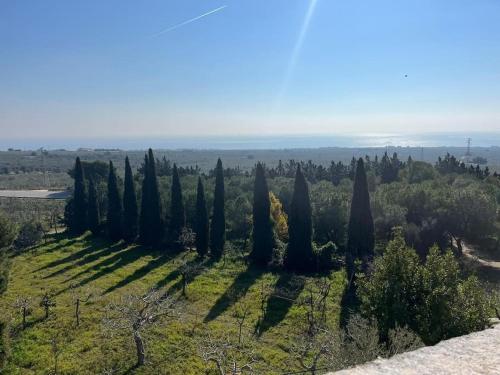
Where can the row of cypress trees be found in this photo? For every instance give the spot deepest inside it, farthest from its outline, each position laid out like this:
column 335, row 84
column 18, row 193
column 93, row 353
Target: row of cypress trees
column 124, row 221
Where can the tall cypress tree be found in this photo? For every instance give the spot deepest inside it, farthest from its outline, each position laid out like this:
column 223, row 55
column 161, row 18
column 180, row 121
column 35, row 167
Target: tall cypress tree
column 79, row 220
column 201, row 223
column 262, row 233
column 130, row 210
column 299, row 253
column 218, row 225
column 144, row 226
column 177, row 214
column 361, row 238
column 154, row 204
column 115, row 212
column 93, row 215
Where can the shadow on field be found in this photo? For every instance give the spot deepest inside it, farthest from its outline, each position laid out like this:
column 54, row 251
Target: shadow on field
column 286, row 291
column 109, row 265
column 240, row 286
column 93, row 253
column 197, row 268
column 94, row 246
column 140, row 272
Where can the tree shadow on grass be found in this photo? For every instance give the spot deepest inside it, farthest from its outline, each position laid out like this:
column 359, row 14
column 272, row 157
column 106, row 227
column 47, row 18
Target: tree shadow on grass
column 286, row 291
column 94, row 246
column 198, row 266
column 90, row 257
column 240, row 286
column 140, row 272
column 108, row 265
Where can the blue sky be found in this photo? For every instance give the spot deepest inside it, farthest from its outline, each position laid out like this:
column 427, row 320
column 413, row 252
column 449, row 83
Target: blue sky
column 99, row 68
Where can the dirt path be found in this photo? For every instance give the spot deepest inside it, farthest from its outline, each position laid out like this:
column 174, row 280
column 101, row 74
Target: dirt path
column 473, row 254
column 35, row 194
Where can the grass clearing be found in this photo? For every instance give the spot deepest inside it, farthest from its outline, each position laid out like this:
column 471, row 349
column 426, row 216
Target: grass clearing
column 114, row 270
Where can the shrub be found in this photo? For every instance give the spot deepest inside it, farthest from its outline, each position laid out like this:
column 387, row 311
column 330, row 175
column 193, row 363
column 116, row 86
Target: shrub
column 324, row 256
column 431, row 298
column 29, row 235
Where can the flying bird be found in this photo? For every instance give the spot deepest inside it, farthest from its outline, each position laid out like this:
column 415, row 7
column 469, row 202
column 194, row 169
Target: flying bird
column 174, row 27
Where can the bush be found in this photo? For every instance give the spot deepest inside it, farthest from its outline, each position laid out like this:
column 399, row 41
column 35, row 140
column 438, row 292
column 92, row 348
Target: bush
column 7, row 231
column 29, row 235
column 324, row 256
column 432, row 299
column 4, row 347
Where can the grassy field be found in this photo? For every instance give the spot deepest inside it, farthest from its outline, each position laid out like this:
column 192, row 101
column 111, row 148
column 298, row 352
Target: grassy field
column 114, row 270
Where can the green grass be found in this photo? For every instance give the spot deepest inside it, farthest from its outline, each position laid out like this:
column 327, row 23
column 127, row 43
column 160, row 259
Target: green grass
column 115, row 270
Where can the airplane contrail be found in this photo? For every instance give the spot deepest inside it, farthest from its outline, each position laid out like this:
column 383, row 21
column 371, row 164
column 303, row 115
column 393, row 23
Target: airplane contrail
column 171, row 28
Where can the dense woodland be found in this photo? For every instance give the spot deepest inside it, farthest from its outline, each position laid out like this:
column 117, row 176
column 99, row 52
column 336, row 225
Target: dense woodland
column 380, row 221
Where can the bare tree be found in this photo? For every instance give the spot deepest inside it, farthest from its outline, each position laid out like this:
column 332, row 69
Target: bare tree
column 136, row 313
column 241, row 313
column 79, row 297
column 24, row 305
column 187, row 238
column 228, row 358
column 189, row 270
column 56, row 350
column 47, row 302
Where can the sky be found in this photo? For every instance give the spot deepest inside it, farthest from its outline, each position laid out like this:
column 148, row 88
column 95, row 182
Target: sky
column 168, row 68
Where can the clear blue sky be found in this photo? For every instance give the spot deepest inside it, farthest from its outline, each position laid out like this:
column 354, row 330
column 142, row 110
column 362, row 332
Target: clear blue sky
column 103, row 68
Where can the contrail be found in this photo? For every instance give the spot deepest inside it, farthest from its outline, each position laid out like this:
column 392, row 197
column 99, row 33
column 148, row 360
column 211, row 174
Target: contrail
column 296, row 52
column 171, row 28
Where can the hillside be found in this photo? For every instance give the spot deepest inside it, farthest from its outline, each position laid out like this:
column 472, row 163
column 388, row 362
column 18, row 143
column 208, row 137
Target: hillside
column 111, row 271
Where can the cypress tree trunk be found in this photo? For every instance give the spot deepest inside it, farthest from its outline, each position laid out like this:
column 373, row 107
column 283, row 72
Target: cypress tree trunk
column 299, row 253
column 218, row 227
column 361, row 238
column 129, row 205
column 93, row 215
column 262, row 233
column 115, row 214
column 79, row 219
column 177, row 214
column 201, row 223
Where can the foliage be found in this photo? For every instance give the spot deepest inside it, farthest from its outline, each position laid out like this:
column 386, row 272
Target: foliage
column 201, row 227
column 218, row 224
column 177, row 213
column 7, row 231
column 429, row 298
column 361, row 237
column 29, row 235
column 279, row 217
column 78, row 222
column 93, row 212
column 262, row 232
column 114, row 220
column 130, row 209
column 299, row 253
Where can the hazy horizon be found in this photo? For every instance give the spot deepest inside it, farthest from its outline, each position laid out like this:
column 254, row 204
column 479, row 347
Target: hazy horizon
column 258, row 142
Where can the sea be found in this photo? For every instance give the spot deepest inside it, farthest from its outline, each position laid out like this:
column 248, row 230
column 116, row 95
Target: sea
column 258, row 142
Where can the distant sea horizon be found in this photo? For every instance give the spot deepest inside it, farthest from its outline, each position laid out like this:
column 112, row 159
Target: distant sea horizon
column 257, row 142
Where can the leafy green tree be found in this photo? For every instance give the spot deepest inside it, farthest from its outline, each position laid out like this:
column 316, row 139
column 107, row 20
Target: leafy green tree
column 144, row 226
column 115, row 211
column 93, row 214
column 432, row 298
column 299, row 253
column 262, row 233
column 130, row 209
column 78, row 224
column 177, row 213
column 360, row 235
column 218, row 225
column 201, row 221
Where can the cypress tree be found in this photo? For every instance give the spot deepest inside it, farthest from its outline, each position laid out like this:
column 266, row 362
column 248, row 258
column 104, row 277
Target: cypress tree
column 218, row 226
column 115, row 212
column 144, row 227
column 299, row 253
column 262, row 233
column 94, row 219
column 151, row 230
column 361, row 238
column 130, row 210
column 79, row 200
column 154, row 204
column 177, row 214
column 201, row 223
